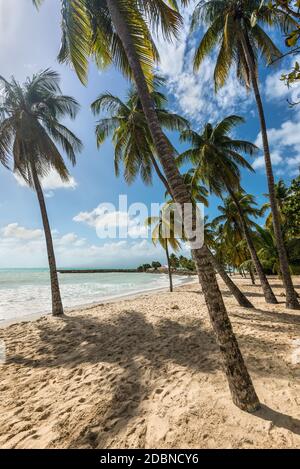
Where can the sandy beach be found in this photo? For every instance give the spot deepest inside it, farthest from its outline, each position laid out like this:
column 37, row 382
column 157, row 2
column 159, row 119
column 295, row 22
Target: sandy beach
column 144, row 372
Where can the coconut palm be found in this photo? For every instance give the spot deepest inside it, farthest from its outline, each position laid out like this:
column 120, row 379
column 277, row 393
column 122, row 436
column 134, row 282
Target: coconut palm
column 117, row 31
column 31, row 134
column 232, row 228
column 134, row 147
column 212, row 246
column 268, row 253
column 281, row 194
column 164, row 233
column 216, row 160
column 199, row 194
column 130, row 133
column 267, row 249
column 235, row 27
column 230, row 217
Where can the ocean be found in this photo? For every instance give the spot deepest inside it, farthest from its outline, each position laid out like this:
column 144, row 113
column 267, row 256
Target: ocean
column 27, row 291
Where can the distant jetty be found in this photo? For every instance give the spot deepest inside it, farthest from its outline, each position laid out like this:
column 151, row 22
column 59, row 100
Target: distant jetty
column 96, row 271
column 123, row 271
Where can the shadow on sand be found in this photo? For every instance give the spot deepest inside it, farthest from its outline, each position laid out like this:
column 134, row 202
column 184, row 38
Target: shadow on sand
column 137, row 346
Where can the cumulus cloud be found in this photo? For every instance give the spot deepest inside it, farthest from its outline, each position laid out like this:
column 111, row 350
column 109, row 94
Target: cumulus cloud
column 111, row 223
column 285, row 149
column 15, row 231
column 25, row 247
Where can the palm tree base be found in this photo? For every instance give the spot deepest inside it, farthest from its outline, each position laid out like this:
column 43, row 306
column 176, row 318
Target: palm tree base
column 271, row 301
column 58, row 313
column 250, row 407
column 246, row 304
column 293, row 305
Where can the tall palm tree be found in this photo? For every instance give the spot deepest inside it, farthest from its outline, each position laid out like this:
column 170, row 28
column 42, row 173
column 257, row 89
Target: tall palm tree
column 117, row 31
column 216, row 159
column 31, row 134
column 134, row 147
column 240, row 37
column 126, row 123
column 164, row 233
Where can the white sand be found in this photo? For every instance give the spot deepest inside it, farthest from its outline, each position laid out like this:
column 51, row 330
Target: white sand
column 145, row 372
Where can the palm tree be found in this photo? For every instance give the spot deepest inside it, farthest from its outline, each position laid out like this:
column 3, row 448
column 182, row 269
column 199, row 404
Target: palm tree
column 267, row 249
column 239, row 34
column 164, row 233
column 232, row 228
column 281, row 194
column 130, row 133
column 117, row 31
column 30, row 130
column 211, row 244
column 134, row 147
column 216, row 159
column 268, row 253
column 199, row 194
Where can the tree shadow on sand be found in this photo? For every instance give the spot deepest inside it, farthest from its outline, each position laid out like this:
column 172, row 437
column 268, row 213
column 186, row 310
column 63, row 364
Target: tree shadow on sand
column 279, row 419
column 131, row 343
column 137, row 346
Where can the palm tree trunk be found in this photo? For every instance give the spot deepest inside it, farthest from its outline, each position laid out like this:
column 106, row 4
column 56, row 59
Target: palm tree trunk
column 169, row 267
column 268, row 293
column 235, row 291
column 57, row 307
column 291, row 296
column 160, row 175
column 240, row 384
column 252, row 275
column 233, row 288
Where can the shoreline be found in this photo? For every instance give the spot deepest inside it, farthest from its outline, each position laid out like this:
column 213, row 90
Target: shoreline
column 94, row 304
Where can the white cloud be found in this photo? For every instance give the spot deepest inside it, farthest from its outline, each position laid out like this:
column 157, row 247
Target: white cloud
column 68, row 239
column 285, row 149
column 287, row 135
column 15, row 231
column 195, row 93
column 259, row 162
column 25, row 247
column 51, row 182
column 117, row 223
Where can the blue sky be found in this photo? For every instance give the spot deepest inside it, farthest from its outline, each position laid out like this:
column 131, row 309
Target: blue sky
column 29, row 41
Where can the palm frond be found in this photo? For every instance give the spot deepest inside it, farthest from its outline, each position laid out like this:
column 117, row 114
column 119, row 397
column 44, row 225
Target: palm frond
column 226, row 125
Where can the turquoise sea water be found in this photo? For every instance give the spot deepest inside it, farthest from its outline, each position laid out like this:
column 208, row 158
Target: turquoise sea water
column 27, row 291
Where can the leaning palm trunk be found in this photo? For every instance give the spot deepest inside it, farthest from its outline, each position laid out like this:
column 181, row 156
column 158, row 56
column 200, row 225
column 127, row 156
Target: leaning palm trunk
column 236, row 292
column 233, row 288
column 169, row 267
column 160, row 175
column 267, row 290
column 57, row 307
column 252, row 275
column 240, row 384
column 291, row 296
